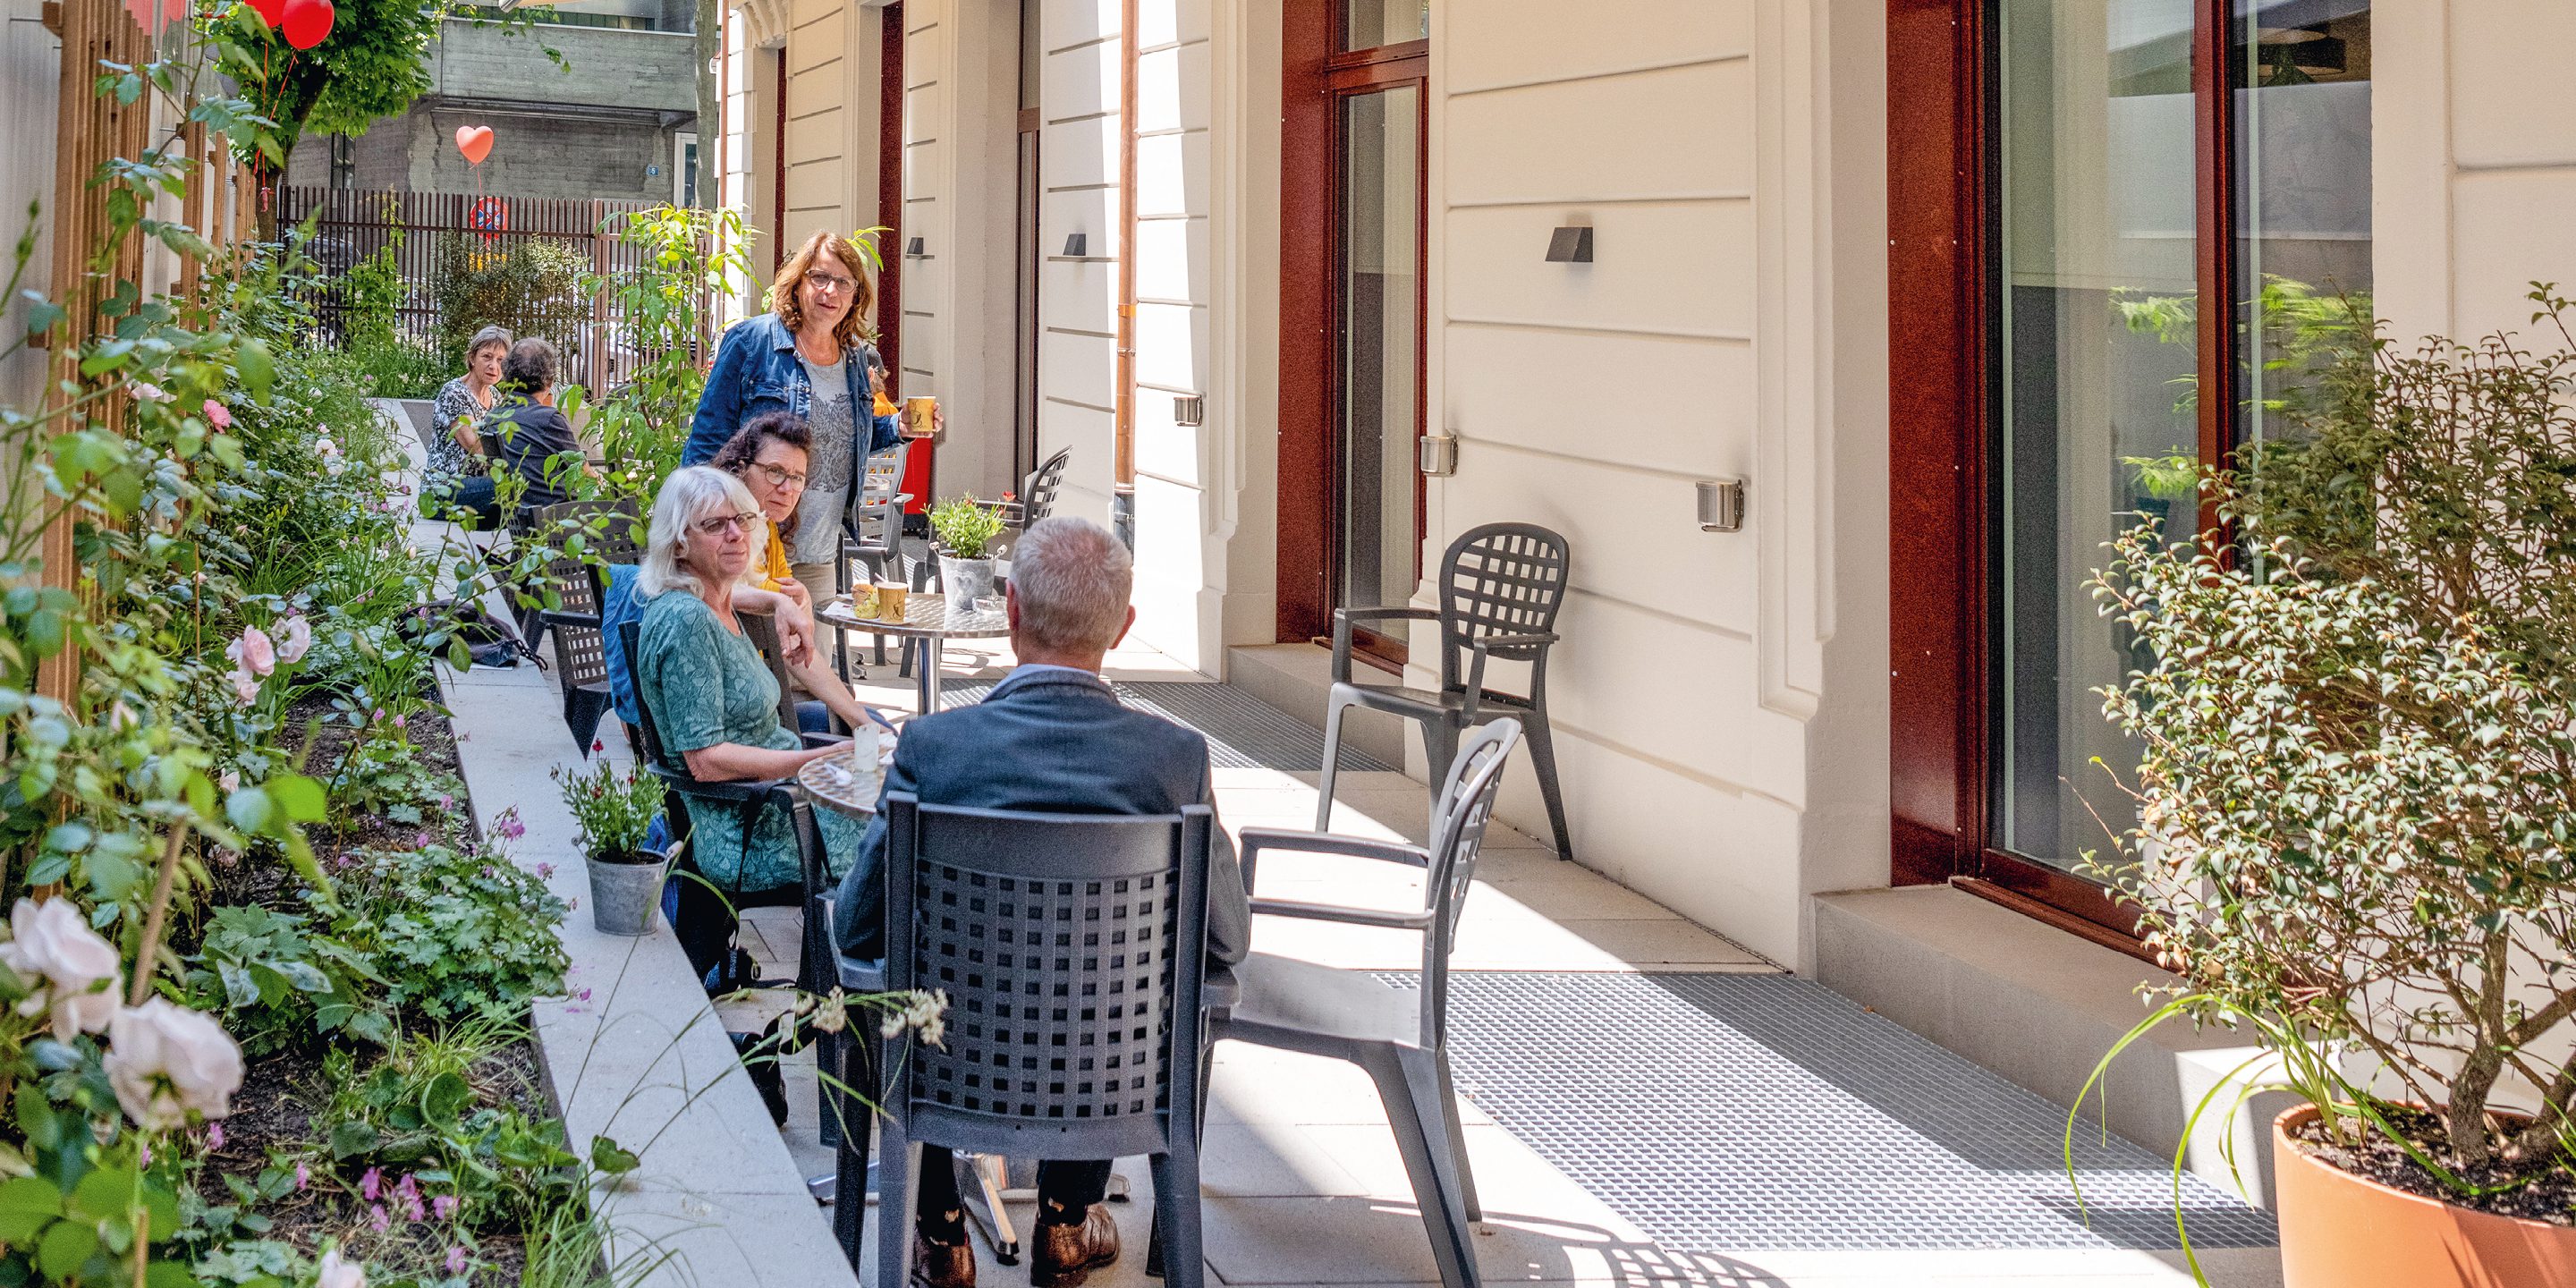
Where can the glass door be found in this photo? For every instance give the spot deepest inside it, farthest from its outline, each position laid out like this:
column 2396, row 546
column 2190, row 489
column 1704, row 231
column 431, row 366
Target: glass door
column 1379, row 359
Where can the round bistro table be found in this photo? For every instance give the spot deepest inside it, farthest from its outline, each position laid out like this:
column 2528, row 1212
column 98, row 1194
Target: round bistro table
column 842, row 787
column 928, row 618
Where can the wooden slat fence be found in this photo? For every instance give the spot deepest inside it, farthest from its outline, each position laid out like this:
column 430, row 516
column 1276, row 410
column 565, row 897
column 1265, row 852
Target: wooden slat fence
column 352, row 226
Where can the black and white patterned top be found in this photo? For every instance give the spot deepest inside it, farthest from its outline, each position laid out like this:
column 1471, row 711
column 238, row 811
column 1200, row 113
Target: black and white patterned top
column 827, row 473
column 446, row 459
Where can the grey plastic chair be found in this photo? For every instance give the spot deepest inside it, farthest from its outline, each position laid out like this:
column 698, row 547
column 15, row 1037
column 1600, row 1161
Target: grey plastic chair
column 1072, row 948
column 1500, row 588
column 1399, row 1036
column 609, row 534
column 872, row 535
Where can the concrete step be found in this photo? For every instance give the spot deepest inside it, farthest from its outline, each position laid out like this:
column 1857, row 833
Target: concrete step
column 1296, row 678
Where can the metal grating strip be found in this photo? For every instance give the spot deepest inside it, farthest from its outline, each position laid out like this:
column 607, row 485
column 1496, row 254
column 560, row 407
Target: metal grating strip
column 1735, row 1113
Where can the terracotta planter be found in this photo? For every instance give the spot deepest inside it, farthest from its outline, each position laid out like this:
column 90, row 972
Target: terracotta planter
column 2341, row 1231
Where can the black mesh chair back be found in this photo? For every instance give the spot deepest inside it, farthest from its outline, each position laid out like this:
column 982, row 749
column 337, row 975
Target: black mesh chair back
column 1499, row 579
column 1072, row 951
column 763, row 634
column 583, row 535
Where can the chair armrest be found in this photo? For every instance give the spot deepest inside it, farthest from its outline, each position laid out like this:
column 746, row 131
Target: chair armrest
column 561, row 617
column 744, row 791
column 813, row 740
column 855, row 976
column 1336, row 912
column 1253, row 840
column 1480, row 648
column 1342, row 619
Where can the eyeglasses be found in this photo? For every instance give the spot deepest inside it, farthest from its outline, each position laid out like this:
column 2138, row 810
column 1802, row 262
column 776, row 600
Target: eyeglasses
column 781, row 476
column 822, row 281
column 722, row 523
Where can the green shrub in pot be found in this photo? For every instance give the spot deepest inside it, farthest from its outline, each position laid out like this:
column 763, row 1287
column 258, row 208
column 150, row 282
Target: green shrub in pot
column 2356, row 792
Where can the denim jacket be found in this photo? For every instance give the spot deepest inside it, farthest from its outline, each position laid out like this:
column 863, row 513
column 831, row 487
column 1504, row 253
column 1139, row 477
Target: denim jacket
column 757, row 371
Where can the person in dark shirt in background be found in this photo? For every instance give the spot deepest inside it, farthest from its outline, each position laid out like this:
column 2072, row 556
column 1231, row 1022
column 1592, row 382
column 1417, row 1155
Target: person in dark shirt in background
column 529, row 436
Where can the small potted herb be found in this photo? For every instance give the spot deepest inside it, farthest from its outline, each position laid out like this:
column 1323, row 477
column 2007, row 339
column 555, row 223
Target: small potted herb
column 612, row 809
column 966, row 528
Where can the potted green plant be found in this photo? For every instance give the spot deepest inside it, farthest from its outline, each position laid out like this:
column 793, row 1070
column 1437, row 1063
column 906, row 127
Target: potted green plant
column 966, row 529
column 612, row 810
column 2356, row 793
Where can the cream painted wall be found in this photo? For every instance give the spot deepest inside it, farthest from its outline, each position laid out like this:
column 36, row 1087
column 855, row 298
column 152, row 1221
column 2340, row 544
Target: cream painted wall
column 1720, row 697
column 832, row 109
column 2473, row 154
column 1078, row 104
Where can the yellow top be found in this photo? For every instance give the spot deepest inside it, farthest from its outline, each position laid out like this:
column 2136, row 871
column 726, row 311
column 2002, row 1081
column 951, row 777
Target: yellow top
column 884, row 407
column 776, row 575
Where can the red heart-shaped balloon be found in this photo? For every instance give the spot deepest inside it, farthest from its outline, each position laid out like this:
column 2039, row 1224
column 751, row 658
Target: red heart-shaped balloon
column 475, row 141
column 308, row 22
column 271, row 12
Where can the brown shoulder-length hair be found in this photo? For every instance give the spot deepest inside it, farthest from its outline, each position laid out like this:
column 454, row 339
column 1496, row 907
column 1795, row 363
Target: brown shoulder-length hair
column 739, row 451
column 782, row 292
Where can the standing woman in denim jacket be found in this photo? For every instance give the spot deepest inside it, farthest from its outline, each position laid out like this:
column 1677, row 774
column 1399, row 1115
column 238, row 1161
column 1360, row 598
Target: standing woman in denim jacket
column 805, row 358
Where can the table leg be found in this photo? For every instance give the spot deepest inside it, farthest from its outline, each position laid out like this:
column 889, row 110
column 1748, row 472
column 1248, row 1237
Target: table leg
column 928, row 680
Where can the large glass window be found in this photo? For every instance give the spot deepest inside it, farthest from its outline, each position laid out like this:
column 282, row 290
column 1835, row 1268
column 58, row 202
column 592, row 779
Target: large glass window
column 2099, row 323
column 1381, row 331
column 1368, row 24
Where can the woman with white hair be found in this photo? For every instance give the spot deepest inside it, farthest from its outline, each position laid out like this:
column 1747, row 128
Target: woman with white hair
column 712, row 697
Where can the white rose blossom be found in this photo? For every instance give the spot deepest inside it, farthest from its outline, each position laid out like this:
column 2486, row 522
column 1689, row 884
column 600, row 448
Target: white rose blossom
column 294, row 638
column 165, row 1060
column 335, row 1273
column 64, row 964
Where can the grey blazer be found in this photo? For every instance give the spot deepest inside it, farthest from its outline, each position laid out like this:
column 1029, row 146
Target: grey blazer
column 1051, row 739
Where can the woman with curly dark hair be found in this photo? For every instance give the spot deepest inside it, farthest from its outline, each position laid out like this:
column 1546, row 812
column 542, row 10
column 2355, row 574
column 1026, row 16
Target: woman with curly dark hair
column 770, row 455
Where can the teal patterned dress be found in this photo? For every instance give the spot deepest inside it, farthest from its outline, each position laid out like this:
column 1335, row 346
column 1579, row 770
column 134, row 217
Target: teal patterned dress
column 705, row 685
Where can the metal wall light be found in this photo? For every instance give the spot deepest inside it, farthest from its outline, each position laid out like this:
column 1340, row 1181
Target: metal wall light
column 913, row 248
column 1570, row 245
column 1077, row 245
column 1721, row 505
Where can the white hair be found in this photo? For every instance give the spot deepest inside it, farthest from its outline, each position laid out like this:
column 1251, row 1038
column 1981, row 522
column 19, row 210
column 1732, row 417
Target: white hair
column 686, row 497
column 1072, row 579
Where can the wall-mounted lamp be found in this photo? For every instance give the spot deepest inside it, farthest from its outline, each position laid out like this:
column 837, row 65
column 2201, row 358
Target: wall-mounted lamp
column 1189, row 410
column 1572, row 245
column 1077, row 245
column 1438, row 454
column 913, row 248
column 1721, row 505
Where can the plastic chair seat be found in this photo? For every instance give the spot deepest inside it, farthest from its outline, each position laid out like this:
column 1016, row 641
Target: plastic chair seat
column 1287, row 1000
column 1401, row 698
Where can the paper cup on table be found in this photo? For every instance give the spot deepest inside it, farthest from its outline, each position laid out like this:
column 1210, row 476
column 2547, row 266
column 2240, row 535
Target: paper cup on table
column 890, row 597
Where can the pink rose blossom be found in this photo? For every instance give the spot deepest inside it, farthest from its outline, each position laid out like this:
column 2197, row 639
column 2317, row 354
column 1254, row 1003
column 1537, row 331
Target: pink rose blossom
column 218, row 415
column 230, row 782
column 252, row 652
column 245, row 687
column 146, row 391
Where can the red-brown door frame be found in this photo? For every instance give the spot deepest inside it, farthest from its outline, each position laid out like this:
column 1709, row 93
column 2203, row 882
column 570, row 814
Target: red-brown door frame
column 1316, row 78
column 1942, row 422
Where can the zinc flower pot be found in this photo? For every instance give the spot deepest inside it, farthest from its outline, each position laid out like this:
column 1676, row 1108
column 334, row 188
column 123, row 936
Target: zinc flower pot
column 968, row 582
column 2339, row 1230
column 626, row 891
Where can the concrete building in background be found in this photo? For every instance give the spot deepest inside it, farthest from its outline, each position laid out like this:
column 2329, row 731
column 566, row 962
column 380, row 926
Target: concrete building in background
column 1895, row 266
column 615, row 119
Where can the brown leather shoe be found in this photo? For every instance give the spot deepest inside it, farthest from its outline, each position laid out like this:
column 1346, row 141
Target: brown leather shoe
column 1066, row 1255
column 942, row 1265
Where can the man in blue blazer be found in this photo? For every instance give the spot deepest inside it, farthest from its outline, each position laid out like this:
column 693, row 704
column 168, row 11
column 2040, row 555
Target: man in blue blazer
column 1051, row 736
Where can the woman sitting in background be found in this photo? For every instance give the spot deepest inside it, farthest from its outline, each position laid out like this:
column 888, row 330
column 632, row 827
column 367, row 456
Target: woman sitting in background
column 529, row 435
column 456, row 478
column 770, row 455
column 711, row 696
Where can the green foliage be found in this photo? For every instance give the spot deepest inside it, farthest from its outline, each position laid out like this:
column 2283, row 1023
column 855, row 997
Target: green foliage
column 2357, row 790
column 401, row 367
column 428, row 1111
column 276, row 983
column 373, row 65
column 611, row 809
column 531, row 285
column 372, row 293
column 2304, row 335
column 457, row 932
column 690, row 260
column 966, row 526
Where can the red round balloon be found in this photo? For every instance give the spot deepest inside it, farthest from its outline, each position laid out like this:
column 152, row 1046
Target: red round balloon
column 308, row 22
column 271, row 12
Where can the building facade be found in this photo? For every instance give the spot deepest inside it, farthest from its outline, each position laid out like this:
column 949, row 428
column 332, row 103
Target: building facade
column 1932, row 277
column 599, row 101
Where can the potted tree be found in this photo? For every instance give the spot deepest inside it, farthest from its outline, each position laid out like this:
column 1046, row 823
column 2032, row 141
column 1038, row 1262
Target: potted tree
column 966, row 529
column 2356, row 798
column 612, row 811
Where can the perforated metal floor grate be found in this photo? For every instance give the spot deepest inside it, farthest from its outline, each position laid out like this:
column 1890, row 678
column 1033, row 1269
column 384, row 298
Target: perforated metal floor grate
column 1730, row 1113
column 1243, row 732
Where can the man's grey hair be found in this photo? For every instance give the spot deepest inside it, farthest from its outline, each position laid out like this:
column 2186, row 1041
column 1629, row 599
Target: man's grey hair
column 1072, row 579
column 695, row 493
column 490, row 335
